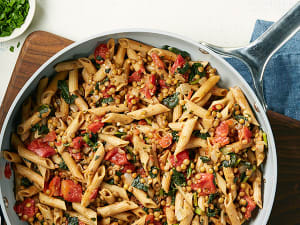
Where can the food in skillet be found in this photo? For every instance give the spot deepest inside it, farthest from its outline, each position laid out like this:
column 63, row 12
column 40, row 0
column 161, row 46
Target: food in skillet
column 136, row 135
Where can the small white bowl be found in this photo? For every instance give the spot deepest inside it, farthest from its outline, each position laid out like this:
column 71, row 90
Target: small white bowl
column 18, row 31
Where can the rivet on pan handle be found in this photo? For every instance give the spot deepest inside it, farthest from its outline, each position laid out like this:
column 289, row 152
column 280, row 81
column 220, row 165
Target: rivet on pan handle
column 257, row 54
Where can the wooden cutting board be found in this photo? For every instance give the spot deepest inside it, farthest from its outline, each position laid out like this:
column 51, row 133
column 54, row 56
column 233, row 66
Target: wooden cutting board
column 40, row 46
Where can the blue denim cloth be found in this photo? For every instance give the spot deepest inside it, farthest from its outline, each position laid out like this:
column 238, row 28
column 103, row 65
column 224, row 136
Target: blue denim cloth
column 281, row 77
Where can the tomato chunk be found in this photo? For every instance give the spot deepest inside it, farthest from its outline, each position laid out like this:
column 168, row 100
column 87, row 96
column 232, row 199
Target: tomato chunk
column 7, row 171
column 27, row 207
column 54, row 186
column 128, row 166
column 70, row 191
column 101, row 51
column 94, row 194
column 41, row 148
column 150, row 87
column 166, row 141
column 206, row 183
column 157, row 61
column 95, row 127
column 245, row 134
column 222, row 130
column 163, row 84
column 180, row 157
column 179, row 62
column 116, row 156
column 250, row 207
column 77, row 142
column 51, row 136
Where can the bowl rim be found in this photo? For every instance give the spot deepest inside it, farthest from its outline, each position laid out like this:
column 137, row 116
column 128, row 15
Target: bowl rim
column 19, row 31
column 270, row 136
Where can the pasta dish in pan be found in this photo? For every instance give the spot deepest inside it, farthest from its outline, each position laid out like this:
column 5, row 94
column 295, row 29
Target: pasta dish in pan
column 134, row 134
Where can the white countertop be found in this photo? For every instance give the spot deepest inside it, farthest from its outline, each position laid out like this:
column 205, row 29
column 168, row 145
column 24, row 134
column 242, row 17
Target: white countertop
column 225, row 23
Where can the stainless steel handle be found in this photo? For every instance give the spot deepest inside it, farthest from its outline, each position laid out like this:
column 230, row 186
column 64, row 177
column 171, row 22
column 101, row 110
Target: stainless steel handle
column 257, row 54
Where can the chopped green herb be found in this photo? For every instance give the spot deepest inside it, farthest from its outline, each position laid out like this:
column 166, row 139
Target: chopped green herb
column 233, row 162
column 25, row 182
column 177, row 51
column 93, row 219
column 153, row 175
column 120, row 134
column 175, row 136
column 18, row 45
column 73, row 221
column 119, row 173
column 43, row 109
column 238, row 117
column 62, row 165
column 66, row 144
column 211, row 197
column 97, row 157
column 111, row 181
column 178, row 178
column 204, row 159
column 104, row 80
column 43, row 129
column 97, row 86
column 90, row 139
column 189, row 172
column 198, row 211
column 235, row 179
column 195, row 199
column 131, row 153
column 265, row 139
column 99, row 58
column 12, row 48
column 64, row 91
column 12, row 15
column 107, row 70
column 148, row 121
column 213, row 212
column 106, row 100
column 136, row 183
column 198, row 134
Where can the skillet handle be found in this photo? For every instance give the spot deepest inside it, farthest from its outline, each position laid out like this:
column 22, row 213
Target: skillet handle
column 257, row 54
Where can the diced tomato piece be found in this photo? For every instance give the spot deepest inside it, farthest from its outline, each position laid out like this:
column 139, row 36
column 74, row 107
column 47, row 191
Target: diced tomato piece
column 149, row 219
column 77, row 156
column 179, row 62
column 58, row 143
column 101, row 51
column 23, row 209
column 206, row 183
column 128, row 166
column 221, row 140
column 137, row 75
column 245, row 134
column 51, row 136
column 150, row 90
column 166, row 141
column 163, row 84
column 190, row 94
column 77, row 142
column 54, row 186
column 94, row 194
column 222, row 130
column 157, row 61
column 81, row 223
column 180, row 157
column 250, row 206
column 116, row 156
column 41, row 148
column 94, row 127
column 7, row 171
column 142, row 122
column 216, row 106
column 70, row 191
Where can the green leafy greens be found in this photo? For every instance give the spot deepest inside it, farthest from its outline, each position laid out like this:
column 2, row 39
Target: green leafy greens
column 177, row 51
column 137, row 183
column 171, row 101
column 65, row 94
column 198, row 134
column 153, row 175
column 42, row 129
column 25, row 182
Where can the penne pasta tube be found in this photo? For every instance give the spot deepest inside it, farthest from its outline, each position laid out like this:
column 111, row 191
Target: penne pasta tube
column 117, row 118
column 28, row 192
column 219, row 91
column 53, row 202
column 57, row 216
column 94, row 185
column 34, row 177
column 116, row 190
column 100, row 111
column 81, row 104
column 151, row 110
column 231, row 210
column 143, row 198
column 88, row 65
column 29, row 155
column 12, row 157
column 46, row 212
column 135, row 45
column 178, row 126
column 166, row 181
column 196, row 110
column 68, row 65
column 73, row 80
column 119, row 57
column 74, row 126
column 64, row 109
column 125, row 216
column 132, row 54
column 140, row 221
column 80, row 217
column 196, row 143
column 113, row 140
column 165, row 54
column 74, row 169
column 257, row 189
column 86, row 212
column 116, row 208
column 205, row 88
column 96, row 161
column 107, row 196
column 139, row 212
column 221, row 183
column 41, row 88
column 185, row 135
